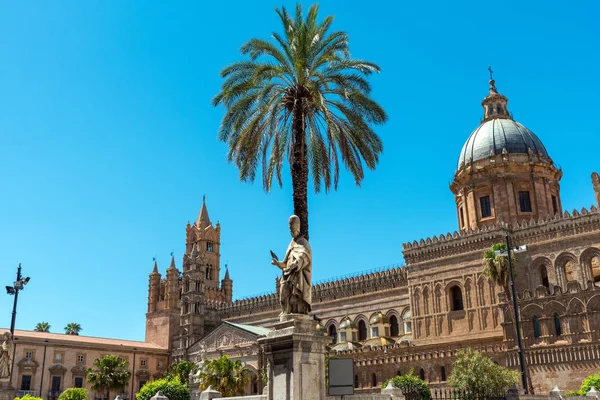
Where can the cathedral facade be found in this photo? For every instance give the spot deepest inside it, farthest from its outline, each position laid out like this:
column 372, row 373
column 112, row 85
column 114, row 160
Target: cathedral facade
column 417, row 316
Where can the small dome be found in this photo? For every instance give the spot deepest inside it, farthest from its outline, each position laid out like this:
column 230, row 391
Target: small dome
column 379, row 318
column 379, row 341
column 347, row 324
column 498, row 136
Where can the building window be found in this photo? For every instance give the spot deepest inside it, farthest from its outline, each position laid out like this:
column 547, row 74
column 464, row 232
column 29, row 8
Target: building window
column 79, row 382
column 491, row 109
column 499, row 109
column 159, row 364
column 536, row 327
column 486, row 207
column 209, row 246
column 422, row 374
column 26, row 382
column 141, row 385
column 375, row 332
column 394, row 327
column 55, row 386
column 407, row 322
column 544, row 276
column 342, row 337
column 29, row 355
column 443, row 374
column 557, row 326
column 456, row 300
column 356, row 381
column 80, row 359
column 143, row 363
column 362, row 330
column 332, row 332
column 554, row 204
column 208, row 273
column 58, row 357
column 373, row 379
column 462, row 218
column 524, row 202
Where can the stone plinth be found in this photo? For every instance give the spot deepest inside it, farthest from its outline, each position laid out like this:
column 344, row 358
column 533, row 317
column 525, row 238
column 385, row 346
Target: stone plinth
column 295, row 353
column 7, row 392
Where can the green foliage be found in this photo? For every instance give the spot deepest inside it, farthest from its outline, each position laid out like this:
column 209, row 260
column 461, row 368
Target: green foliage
column 108, row 373
column 172, row 387
column 28, row 397
column 300, row 99
column 72, row 328
column 42, row 327
column 183, row 369
column 74, row 394
column 224, row 375
column 476, row 373
column 496, row 267
column 408, row 383
column 586, row 385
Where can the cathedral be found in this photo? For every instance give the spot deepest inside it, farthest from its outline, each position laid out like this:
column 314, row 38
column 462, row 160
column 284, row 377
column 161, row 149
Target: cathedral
column 417, row 316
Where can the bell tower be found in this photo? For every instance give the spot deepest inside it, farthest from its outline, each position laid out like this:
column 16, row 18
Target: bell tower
column 596, row 184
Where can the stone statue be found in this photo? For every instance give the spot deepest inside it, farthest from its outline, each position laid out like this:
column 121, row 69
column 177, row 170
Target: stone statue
column 295, row 286
column 5, row 361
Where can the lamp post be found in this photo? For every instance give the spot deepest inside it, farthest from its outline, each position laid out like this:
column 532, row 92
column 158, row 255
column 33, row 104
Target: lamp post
column 18, row 285
column 515, row 309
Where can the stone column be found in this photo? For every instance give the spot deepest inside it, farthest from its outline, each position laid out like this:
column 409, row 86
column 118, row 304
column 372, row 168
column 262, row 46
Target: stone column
column 295, row 353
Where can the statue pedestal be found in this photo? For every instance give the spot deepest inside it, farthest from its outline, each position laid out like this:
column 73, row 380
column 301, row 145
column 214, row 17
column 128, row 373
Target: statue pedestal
column 295, row 353
column 7, row 392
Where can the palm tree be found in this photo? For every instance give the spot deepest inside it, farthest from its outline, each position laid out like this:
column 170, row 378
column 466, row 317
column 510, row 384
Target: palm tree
column 183, row 369
column 42, row 327
column 302, row 99
column 224, row 375
column 496, row 269
column 72, row 328
column 108, row 373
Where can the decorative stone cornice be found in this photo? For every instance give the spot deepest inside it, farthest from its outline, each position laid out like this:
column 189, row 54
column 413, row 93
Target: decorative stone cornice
column 27, row 365
column 57, row 369
column 142, row 374
column 78, row 370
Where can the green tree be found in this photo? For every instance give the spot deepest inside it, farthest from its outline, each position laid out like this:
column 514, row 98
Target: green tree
column 171, row 386
column 183, row 369
column 28, row 397
column 74, row 394
column 495, row 268
column 72, row 328
column 586, row 385
column 474, row 373
column 42, row 327
column 303, row 99
column 409, row 383
column 108, row 373
column 225, row 375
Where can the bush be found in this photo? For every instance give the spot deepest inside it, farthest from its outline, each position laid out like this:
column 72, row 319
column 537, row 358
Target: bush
column 28, row 397
column 475, row 373
column 410, row 383
column 170, row 387
column 74, row 394
column 586, row 385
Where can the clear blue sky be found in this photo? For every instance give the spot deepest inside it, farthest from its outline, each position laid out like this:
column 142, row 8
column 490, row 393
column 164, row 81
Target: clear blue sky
column 108, row 140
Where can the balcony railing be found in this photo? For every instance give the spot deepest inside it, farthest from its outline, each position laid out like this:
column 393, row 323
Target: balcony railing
column 21, row 393
column 54, row 393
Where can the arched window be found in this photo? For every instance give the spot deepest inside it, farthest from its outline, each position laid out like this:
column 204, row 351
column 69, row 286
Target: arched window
column 254, row 384
column 422, row 374
column 557, row 326
column 499, row 109
column 407, row 322
column 362, row 330
column 394, row 327
column 544, row 276
column 373, row 379
column 443, row 374
column 356, row 381
column 595, row 261
column 456, row 299
column 209, row 246
column 536, row 327
column 491, row 109
column 333, row 332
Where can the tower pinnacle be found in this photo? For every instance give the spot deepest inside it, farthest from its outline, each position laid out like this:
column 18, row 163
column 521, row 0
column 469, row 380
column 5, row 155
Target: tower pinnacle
column 203, row 220
column 495, row 104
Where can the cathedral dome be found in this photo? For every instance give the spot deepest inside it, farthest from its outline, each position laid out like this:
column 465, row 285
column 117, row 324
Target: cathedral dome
column 500, row 136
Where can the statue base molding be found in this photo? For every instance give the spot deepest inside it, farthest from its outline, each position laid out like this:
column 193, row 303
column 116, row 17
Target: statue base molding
column 7, row 392
column 295, row 353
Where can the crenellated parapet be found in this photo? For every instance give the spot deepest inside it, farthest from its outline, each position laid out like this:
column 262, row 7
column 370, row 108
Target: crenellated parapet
column 543, row 228
column 387, row 279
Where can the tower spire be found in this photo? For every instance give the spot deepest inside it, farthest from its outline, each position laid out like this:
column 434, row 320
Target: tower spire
column 203, row 220
column 155, row 269
column 495, row 104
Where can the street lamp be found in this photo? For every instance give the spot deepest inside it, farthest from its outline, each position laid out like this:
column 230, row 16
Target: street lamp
column 507, row 253
column 18, row 285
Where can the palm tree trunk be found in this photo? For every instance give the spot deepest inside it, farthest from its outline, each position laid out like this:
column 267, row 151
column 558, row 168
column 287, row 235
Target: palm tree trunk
column 299, row 166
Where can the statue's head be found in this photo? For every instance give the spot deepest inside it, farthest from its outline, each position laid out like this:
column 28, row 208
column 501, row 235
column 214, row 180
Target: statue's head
column 294, row 226
column 6, row 336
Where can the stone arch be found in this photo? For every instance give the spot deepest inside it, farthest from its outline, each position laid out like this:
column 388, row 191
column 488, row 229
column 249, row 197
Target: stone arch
column 468, row 293
column 395, row 319
column 542, row 265
column 530, row 310
column 363, row 327
column 426, row 301
column 438, row 299
column 566, row 269
column 406, row 321
column 252, row 387
column 417, row 302
column 331, row 327
column 554, row 307
column 455, row 296
column 481, row 290
column 590, row 264
column 593, row 310
column 576, row 316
